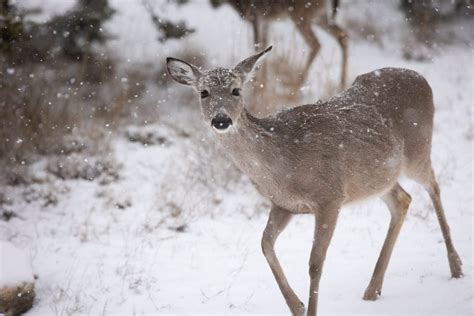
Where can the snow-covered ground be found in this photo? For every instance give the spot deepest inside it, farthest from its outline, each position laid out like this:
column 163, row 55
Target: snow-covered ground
column 174, row 236
column 15, row 270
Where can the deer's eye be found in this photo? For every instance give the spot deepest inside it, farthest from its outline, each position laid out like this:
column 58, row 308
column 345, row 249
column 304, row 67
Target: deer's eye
column 236, row 92
column 204, row 94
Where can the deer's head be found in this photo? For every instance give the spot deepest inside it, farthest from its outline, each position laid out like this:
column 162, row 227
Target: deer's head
column 220, row 89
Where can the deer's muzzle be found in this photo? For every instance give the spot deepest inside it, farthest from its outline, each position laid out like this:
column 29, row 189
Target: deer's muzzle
column 221, row 123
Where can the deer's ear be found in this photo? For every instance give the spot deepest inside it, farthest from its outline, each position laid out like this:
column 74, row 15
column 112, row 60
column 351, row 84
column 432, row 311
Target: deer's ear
column 248, row 67
column 182, row 71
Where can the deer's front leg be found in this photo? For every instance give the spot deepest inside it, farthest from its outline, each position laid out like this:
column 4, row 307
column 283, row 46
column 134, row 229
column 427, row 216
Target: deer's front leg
column 277, row 221
column 325, row 224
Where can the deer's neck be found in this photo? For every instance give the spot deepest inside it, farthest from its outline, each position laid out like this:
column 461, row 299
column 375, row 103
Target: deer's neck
column 248, row 144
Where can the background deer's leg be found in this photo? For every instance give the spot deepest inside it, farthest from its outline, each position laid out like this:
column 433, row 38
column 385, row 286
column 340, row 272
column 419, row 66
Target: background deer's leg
column 260, row 36
column 277, row 221
column 325, row 224
column 304, row 27
column 397, row 201
column 263, row 75
column 264, row 33
column 341, row 37
column 257, row 35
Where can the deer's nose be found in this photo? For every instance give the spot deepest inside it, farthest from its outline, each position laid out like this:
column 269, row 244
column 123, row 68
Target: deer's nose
column 221, row 122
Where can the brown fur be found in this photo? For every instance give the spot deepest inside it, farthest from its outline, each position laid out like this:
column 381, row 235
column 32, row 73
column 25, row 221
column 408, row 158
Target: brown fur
column 315, row 158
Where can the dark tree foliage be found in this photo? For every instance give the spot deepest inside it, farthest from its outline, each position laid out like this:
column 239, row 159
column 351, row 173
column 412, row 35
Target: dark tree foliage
column 81, row 27
column 424, row 11
column 425, row 15
column 70, row 35
column 169, row 29
column 216, row 3
column 12, row 28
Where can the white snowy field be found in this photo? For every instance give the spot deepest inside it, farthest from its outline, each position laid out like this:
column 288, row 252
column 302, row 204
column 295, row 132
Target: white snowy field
column 173, row 237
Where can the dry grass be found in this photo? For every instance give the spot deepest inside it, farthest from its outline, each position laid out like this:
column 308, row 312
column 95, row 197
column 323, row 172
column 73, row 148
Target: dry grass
column 37, row 104
column 63, row 108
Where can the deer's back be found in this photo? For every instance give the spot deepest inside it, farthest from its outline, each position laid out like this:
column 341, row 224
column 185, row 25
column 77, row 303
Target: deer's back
column 357, row 143
column 405, row 98
column 386, row 102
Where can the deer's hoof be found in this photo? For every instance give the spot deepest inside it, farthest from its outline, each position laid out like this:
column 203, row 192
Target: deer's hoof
column 456, row 271
column 455, row 264
column 371, row 294
column 300, row 310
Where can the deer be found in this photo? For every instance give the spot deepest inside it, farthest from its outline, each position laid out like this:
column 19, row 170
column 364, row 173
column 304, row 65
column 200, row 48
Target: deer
column 316, row 158
column 302, row 13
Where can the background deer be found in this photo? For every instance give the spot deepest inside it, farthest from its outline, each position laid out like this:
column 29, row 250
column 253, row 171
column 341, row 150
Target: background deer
column 303, row 13
column 315, row 158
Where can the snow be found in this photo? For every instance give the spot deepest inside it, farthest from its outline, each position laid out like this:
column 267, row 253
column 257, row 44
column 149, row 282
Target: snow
column 179, row 232
column 15, row 266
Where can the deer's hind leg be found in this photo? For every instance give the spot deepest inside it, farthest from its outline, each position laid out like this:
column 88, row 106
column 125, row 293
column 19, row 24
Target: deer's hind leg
column 398, row 202
column 277, row 221
column 428, row 180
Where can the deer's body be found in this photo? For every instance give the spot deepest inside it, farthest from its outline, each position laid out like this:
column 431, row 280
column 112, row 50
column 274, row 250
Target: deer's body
column 317, row 157
column 303, row 13
column 351, row 147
